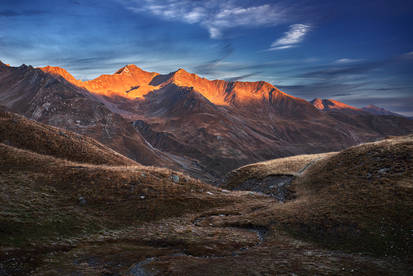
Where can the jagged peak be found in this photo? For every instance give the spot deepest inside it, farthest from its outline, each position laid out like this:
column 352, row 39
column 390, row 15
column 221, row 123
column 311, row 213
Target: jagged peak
column 181, row 71
column 59, row 71
column 52, row 69
column 328, row 104
column 129, row 68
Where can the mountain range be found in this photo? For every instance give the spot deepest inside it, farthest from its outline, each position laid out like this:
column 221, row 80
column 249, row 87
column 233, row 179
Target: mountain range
column 185, row 122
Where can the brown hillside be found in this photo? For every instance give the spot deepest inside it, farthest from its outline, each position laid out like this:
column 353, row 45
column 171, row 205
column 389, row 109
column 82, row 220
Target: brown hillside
column 359, row 199
column 20, row 132
column 63, row 217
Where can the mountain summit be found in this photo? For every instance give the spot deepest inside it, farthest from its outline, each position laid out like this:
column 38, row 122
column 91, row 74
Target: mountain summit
column 58, row 71
column 329, row 104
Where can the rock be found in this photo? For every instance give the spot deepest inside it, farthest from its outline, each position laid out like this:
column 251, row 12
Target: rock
column 175, row 178
column 138, row 270
column 383, row 171
column 82, row 201
column 209, row 193
column 61, row 133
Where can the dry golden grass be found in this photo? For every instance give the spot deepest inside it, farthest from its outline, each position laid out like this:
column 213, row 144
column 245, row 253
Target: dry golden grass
column 23, row 133
column 40, row 196
column 288, row 165
column 360, row 199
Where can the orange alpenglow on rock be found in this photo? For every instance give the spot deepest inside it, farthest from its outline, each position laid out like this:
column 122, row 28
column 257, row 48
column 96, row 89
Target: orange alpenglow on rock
column 58, row 71
column 129, row 81
column 329, row 104
column 132, row 82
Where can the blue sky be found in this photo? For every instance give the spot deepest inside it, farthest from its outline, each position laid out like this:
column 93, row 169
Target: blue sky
column 358, row 52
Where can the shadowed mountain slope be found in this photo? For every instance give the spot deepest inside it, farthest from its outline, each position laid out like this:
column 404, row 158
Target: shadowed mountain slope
column 50, row 99
column 379, row 111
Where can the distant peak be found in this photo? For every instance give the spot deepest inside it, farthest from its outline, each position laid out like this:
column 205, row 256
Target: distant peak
column 376, row 110
column 128, row 68
column 181, row 71
column 183, row 75
column 316, row 101
column 59, row 71
column 51, row 69
column 329, row 104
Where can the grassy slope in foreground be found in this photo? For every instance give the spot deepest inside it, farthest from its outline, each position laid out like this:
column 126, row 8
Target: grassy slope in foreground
column 360, row 199
column 281, row 166
column 57, row 184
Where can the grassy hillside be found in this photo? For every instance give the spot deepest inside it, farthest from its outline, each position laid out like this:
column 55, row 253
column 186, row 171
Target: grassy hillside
column 360, row 199
column 282, row 166
column 71, row 206
column 20, row 132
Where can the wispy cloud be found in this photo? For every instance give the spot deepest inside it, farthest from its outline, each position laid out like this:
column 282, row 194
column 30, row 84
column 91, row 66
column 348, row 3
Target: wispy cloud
column 213, row 15
column 294, row 36
column 346, row 60
column 211, row 66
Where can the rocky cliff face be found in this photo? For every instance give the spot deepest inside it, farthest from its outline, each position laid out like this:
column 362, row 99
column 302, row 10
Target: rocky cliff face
column 50, row 99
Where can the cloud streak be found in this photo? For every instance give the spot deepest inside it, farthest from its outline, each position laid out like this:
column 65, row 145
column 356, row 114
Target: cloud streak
column 12, row 13
column 294, row 36
column 213, row 15
column 346, row 60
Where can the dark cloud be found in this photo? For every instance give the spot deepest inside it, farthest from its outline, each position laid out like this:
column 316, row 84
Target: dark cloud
column 322, row 89
column 8, row 13
column 12, row 13
column 342, row 94
column 210, row 67
column 345, row 70
column 401, row 63
column 242, row 77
